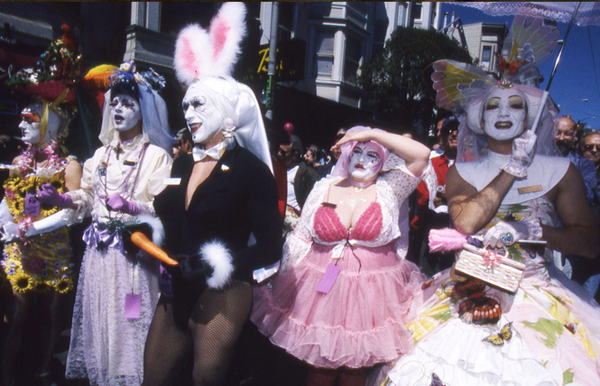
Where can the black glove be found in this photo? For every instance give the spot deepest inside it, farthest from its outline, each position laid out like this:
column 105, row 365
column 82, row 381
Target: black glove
column 128, row 245
column 188, row 278
column 194, row 268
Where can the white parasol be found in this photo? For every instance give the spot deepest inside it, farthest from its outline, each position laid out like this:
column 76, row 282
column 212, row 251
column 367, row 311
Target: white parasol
column 575, row 12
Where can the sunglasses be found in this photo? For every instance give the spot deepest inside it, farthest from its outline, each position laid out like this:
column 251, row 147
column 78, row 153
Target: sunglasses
column 590, row 147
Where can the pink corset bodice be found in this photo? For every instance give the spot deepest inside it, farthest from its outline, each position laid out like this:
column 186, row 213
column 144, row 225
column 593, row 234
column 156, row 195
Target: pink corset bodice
column 329, row 227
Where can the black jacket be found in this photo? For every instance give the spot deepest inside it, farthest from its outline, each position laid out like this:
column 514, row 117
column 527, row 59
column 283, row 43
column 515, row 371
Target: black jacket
column 239, row 197
column 303, row 182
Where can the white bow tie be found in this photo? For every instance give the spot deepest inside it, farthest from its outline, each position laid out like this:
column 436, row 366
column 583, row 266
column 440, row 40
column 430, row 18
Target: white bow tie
column 199, row 154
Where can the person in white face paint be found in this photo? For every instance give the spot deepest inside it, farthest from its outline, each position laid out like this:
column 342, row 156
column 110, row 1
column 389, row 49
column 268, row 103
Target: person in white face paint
column 511, row 189
column 345, row 291
column 38, row 266
column 117, row 288
column 220, row 213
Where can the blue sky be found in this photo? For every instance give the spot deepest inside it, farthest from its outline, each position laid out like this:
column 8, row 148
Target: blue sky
column 574, row 79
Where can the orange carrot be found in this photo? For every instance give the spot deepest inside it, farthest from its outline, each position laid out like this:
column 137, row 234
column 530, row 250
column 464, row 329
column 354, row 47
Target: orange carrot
column 143, row 243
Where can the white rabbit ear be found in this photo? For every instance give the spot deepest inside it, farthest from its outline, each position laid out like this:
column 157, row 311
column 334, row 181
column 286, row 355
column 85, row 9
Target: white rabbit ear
column 191, row 50
column 227, row 30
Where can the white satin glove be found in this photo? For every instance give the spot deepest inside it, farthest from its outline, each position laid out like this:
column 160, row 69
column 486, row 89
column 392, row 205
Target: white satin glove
column 506, row 233
column 522, row 155
column 5, row 216
column 10, row 232
column 47, row 224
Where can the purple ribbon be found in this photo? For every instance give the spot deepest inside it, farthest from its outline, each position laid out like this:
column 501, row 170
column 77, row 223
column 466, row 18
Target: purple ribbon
column 165, row 283
column 99, row 238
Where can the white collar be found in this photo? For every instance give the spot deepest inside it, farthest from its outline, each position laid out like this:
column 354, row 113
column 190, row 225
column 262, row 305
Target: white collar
column 214, row 152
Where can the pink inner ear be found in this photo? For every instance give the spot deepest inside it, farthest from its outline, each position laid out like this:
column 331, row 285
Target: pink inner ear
column 188, row 55
column 219, row 30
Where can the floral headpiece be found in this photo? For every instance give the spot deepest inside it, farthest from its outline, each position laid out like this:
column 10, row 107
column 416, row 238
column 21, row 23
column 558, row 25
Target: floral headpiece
column 127, row 76
column 144, row 87
column 53, row 78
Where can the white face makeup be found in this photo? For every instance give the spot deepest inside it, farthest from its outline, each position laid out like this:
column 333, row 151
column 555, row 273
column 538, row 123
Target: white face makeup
column 125, row 112
column 364, row 164
column 504, row 114
column 203, row 118
column 30, row 125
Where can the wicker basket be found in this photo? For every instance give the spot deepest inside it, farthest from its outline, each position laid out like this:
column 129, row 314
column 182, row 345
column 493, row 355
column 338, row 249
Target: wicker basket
column 499, row 271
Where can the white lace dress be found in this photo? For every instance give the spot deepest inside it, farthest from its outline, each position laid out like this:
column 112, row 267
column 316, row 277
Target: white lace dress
column 107, row 347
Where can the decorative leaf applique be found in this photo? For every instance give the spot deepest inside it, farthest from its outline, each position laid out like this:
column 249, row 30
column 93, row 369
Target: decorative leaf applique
column 551, row 329
column 443, row 316
column 568, row 377
column 517, row 208
column 515, row 253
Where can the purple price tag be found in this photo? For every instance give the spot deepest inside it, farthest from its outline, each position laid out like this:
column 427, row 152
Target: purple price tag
column 32, row 205
column 328, row 279
column 133, row 304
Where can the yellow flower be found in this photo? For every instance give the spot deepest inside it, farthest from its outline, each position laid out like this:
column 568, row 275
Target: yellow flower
column 20, row 186
column 64, row 285
column 21, row 282
column 42, row 287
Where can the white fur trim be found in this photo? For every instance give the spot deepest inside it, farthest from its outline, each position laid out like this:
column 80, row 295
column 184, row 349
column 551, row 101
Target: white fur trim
column 213, row 53
column 227, row 30
column 158, row 231
column 192, row 40
column 219, row 257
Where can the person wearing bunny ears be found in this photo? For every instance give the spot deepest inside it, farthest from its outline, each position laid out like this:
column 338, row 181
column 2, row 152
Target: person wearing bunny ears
column 220, row 211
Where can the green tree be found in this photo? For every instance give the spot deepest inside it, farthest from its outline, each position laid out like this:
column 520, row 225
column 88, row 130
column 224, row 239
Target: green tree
column 397, row 81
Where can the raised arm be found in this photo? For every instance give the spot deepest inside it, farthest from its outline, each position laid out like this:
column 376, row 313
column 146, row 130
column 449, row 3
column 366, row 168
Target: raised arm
column 469, row 209
column 415, row 154
column 580, row 234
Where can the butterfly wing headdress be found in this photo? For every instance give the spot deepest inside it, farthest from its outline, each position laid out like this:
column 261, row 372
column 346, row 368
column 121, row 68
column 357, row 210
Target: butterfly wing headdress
column 458, row 83
column 529, row 43
column 461, row 87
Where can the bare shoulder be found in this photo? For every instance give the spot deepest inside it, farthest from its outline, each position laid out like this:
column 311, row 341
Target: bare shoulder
column 570, row 184
column 570, row 200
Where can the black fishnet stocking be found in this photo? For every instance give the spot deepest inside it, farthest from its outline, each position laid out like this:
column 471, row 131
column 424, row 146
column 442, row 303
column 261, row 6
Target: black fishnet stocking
column 166, row 348
column 213, row 328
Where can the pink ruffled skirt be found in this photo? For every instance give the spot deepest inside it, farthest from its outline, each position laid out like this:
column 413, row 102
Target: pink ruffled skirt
column 359, row 323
